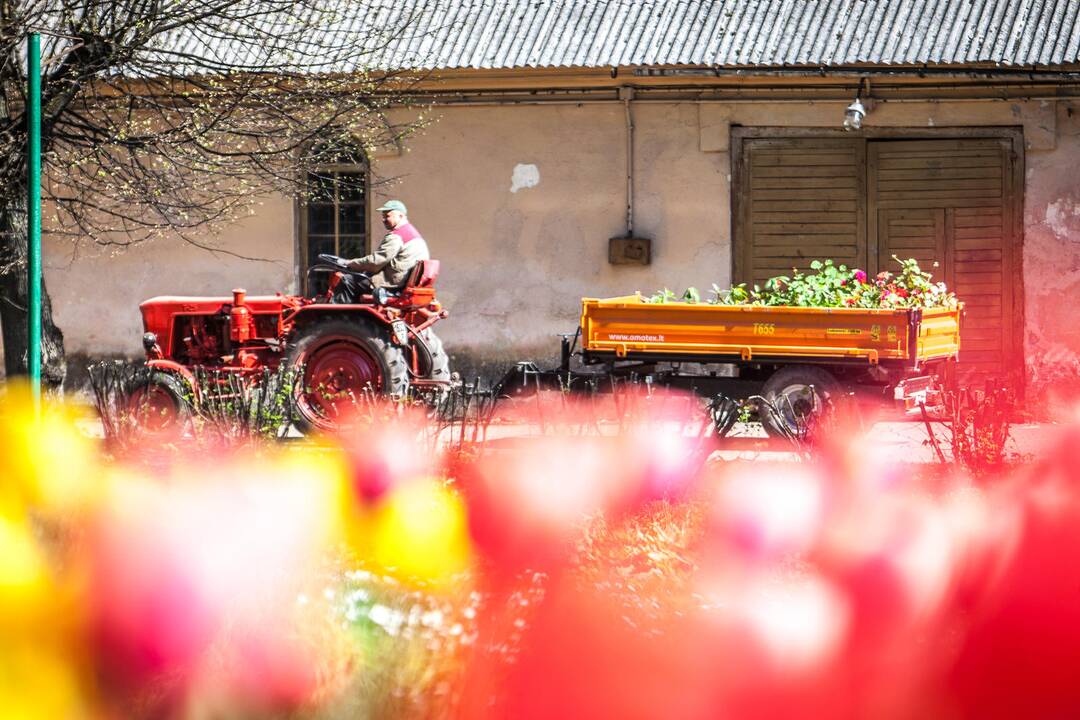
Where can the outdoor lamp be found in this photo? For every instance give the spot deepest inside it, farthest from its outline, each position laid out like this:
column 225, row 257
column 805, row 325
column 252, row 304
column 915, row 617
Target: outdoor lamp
column 854, row 114
column 856, row 111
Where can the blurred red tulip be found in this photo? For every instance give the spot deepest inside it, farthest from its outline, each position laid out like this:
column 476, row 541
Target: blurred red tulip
column 1022, row 650
column 769, row 511
column 151, row 619
column 580, row 658
column 524, row 506
column 269, row 670
column 383, row 455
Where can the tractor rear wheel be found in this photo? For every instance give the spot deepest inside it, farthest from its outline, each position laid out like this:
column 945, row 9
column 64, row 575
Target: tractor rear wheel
column 159, row 404
column 435, row 367
column 337, row 364
column 440, row 361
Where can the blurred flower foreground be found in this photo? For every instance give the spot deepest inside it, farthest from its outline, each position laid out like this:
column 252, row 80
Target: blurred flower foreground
column 389, row 573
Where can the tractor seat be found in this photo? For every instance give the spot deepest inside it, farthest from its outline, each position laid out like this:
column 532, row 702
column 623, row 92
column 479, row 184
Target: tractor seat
column 422, row 275
column 419, row 287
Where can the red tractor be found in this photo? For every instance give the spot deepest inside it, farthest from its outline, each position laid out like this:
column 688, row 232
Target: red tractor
column 341, row 348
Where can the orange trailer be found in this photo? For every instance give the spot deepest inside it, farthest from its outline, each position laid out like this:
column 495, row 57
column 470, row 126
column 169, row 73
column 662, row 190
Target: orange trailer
column 801, row 353
column 629, row 327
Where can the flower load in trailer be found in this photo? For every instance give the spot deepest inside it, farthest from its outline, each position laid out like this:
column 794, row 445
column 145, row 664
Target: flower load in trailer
column 832, row 285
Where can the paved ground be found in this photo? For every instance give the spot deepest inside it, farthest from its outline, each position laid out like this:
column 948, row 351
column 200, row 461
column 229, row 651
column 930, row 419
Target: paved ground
column 908, row 440
column 896, row 440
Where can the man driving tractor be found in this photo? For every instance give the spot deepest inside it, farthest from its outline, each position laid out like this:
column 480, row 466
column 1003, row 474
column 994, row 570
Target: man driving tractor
column 396, row 255
column 377, row 341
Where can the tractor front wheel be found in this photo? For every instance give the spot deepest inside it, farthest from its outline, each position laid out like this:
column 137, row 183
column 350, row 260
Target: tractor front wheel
column 339, row 363
column 159, row 404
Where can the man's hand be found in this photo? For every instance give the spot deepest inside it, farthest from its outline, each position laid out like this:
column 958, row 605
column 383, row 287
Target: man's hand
column 376, row 261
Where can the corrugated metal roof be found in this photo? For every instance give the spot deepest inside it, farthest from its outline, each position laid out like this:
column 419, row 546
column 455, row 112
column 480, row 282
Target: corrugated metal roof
column 446, row 34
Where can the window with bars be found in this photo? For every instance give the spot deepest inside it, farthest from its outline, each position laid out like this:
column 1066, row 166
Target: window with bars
column 334, row 218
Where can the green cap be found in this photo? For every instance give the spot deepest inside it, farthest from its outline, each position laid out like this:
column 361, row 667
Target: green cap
column 393, row 205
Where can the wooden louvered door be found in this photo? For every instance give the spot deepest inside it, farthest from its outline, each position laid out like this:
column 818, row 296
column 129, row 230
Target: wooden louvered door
column 859, row 201
column 801, row 199
column 950, row 201
column 918, row 234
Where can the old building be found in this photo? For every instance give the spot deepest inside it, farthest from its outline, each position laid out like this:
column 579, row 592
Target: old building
column 713, row 132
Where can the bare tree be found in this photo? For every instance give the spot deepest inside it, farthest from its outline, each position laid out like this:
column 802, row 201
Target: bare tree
column 170, row 116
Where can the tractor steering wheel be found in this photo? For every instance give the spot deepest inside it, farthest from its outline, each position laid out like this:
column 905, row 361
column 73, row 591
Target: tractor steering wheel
column 339, row 263
column 334, row 264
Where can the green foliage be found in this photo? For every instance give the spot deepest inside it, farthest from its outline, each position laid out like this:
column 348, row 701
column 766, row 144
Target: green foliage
column 662, row 296
column 244, row 408
column 832, row 285
column 735, row 295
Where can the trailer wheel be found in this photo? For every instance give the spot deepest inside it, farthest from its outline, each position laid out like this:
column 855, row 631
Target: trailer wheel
column 797, row 392
column 338, row 363
column 159, row 404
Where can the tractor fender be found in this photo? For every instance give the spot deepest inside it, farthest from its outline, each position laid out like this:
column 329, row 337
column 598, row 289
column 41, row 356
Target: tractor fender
column 314, row 313
column 177, row 368
column 423, row 361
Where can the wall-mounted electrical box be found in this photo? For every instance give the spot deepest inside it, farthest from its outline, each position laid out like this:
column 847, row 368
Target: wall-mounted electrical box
column 629, row 251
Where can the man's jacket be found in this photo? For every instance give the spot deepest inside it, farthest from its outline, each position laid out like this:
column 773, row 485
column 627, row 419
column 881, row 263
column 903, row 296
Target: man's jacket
column 396, row 255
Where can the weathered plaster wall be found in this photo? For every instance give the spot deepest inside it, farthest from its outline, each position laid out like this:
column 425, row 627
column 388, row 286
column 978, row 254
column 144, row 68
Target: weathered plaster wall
column 1052, row 256
column 519, row 202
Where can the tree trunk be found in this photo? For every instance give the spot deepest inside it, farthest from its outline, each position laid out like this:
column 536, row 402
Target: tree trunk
column 14, row 299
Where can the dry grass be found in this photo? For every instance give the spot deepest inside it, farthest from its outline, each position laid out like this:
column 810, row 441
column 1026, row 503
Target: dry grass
column 645, row 562
column 411, row 648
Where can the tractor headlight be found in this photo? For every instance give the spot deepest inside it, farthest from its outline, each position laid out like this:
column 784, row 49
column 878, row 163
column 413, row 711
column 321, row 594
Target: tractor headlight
column 381, row 295
column 149, row 340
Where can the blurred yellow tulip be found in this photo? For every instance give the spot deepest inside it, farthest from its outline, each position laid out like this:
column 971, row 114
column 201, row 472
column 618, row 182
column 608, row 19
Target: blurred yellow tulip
column 323, row 475
column 48, row 461
column 25, row 587
column 420, row 533
column 40, row 660
column 40, row 683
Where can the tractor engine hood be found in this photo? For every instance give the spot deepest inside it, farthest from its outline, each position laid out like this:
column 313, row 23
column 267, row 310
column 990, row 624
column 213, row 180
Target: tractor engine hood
column 164, row 306
column 159, row 313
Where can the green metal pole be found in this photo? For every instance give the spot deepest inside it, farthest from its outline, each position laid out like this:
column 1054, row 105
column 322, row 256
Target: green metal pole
column 33, row 213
